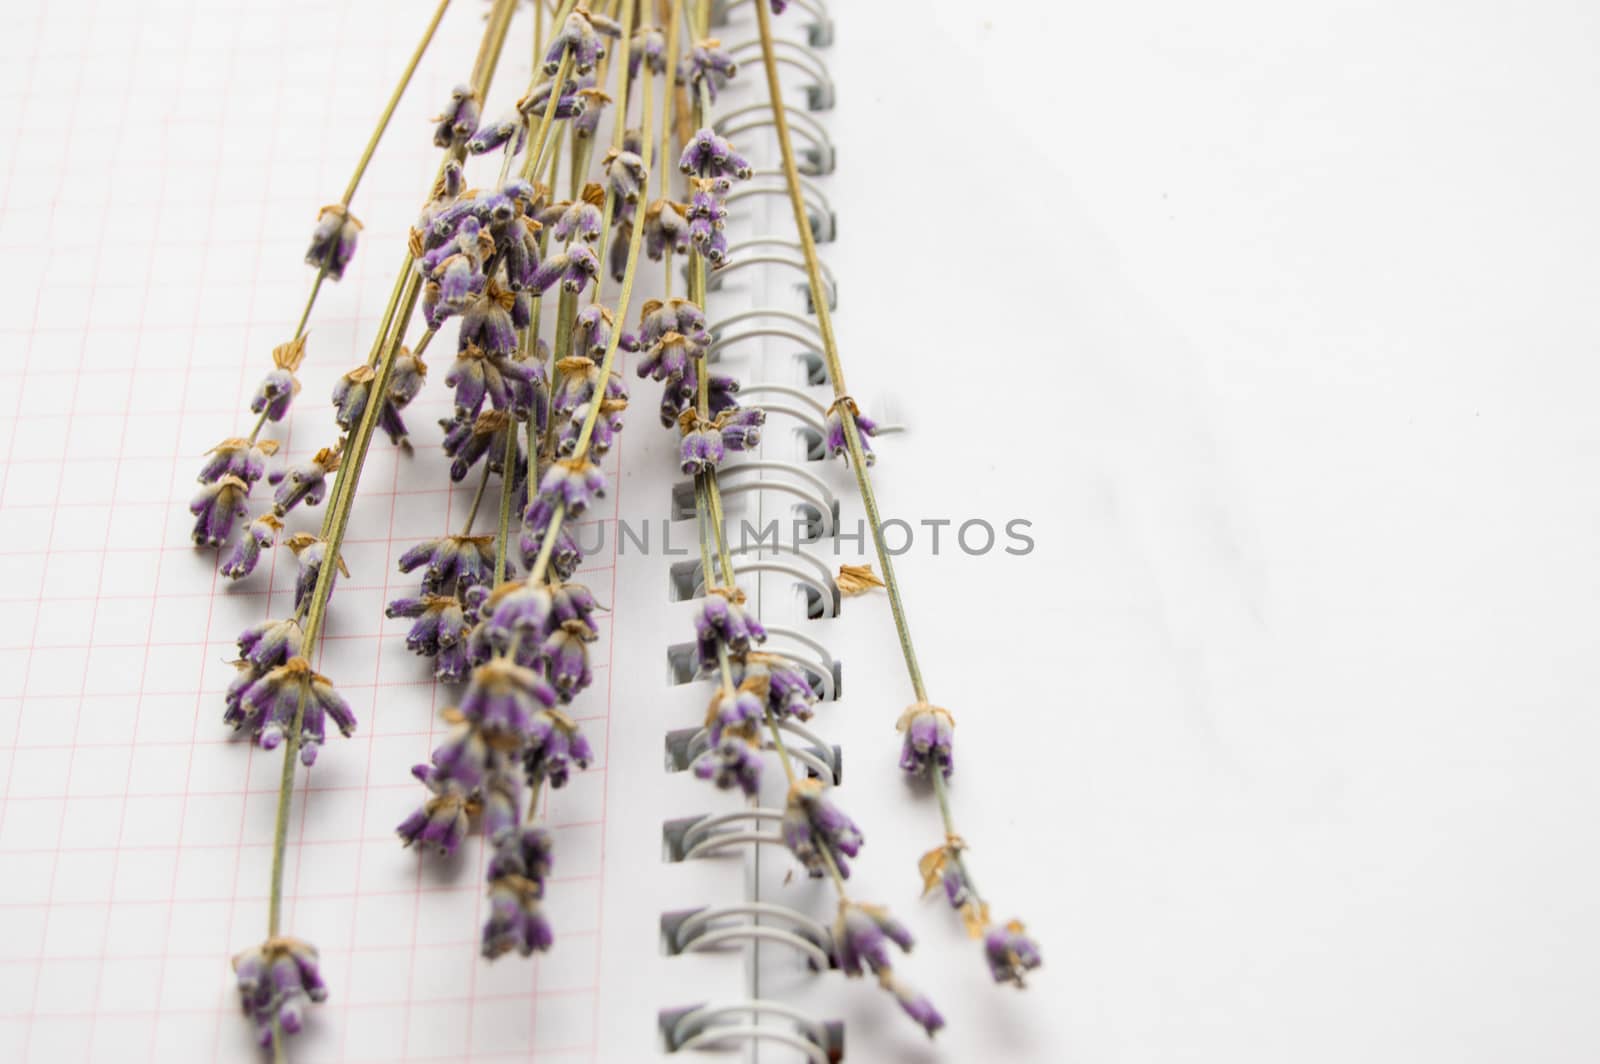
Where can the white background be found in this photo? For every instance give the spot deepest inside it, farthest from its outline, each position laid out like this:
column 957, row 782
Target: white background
column 1277, row 320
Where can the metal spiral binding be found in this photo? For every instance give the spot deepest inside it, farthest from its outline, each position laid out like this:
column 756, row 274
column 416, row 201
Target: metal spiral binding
column 815, row 507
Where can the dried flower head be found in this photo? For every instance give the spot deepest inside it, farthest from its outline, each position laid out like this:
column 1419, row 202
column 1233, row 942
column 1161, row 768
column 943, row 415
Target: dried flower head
column 275, row 980
column 817, row 832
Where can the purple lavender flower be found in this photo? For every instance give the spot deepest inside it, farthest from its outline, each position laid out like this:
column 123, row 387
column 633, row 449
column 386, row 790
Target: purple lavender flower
column 216, row 506
column 478, row 374
column 722, row 619
column 701, row 450
column 707, row 214
column 487, row 321
column 268, row 707
column 515, row 920
column 570, row 484
column 817, row 832
column 928, row 743
column 916, row 1005
column 580, row 36
column 734, row 762
column 779, row 6
column 867, row 428
column 649, row 46
column 304, row 482
column 669, row 358
column 270, row 643
column 246, row 553
column 517, row 613
column 275, row 980
column 464, row 757
column 237, row 457
column 658, row 320
column 502, row 802
column 861, row 938
column 626, row 174
column 503, row 698
column 310, row 552
column 528, row 853
column 587, row 122
column 785, row 688
column 468, row 439
column 441, row 821
column 574, row 268
column 333, row 241
column 565, row 557
column 576, row 219
column 451, row 563
column 740, row 429
column 738, row 712
column 350, row 394
column 566, row 656
column 709, row 155
column 279, row 387
column 1010, row 953
column 459, row 120
column 571, row 103
column 554, row 747
column 707, row 62
column 665, row 229
column 513, row 130
column 439, row 630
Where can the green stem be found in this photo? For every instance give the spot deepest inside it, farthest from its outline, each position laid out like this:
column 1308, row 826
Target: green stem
column 477, row 499
column 311, row 301
column 394, row 101
column 830, row 346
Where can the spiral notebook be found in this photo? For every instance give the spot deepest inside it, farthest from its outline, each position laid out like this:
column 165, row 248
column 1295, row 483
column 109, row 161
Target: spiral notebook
column 175, row 154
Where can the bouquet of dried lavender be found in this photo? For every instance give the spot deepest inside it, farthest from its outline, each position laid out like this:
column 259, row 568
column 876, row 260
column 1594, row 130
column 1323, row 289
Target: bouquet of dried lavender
column 539, row 418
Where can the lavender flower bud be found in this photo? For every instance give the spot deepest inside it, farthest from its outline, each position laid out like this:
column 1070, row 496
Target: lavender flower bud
column 928, row 743
column 649, row 46
column 451, row 563
column 554, row 747
column 310, row 552
column 216, row 507
column 942, row 869
column 478, row 374
column 237, row 457
column 578, row 37
column 916, row 1005
column 246, row 553
column 269, row 705
column 566, row 656
column 279, row 387
column 464, row 757
column 785, row 689
column 579, row 218
column 1010, row 953
column 503, row 698
column 740, row 429
column 722, row 620
column 836, row 444
column 569, row 484
column 305, row 482
column 861, row 938
column 440, row 625
column 333, row 241
column 709, row 63
column 512, row 129
column 565, row 557
column 515, row 921
column 528, row 853
column 270, row 643
column 574, row 268
column 518, row 613
column 441, row 821
column 710, row 155
column 817, row 832
column 626, row 174
column 737, row 712
column 734, row 762
column 459, row 120
column 274, row 980
column 594, row 100
column 665, row 230
column 487, row 321
column 706, row 214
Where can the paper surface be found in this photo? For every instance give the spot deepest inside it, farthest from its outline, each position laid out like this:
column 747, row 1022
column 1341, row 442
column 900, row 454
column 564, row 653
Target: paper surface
column 1275, row 321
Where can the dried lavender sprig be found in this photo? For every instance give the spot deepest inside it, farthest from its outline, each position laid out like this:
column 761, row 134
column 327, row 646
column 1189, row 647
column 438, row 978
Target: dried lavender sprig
column 966, row 899
column 337, row 518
